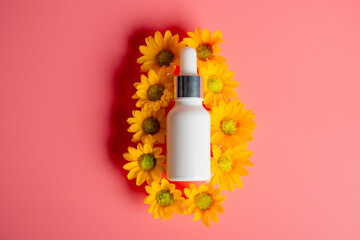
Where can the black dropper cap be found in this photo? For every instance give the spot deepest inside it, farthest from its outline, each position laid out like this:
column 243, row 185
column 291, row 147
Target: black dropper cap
column 188, row 83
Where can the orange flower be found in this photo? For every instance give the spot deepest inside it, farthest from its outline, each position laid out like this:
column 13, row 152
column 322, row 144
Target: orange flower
column 145, row 163
column 160, row 52
column 218, row 83
column 155, row 91
column 148, row 125
column 204, row 202
column 206, row 46
column 228, row 166
column 231, row 125
column 164, row 199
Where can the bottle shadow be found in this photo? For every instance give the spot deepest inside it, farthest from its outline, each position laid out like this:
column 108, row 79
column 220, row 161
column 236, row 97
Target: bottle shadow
column 127, row 73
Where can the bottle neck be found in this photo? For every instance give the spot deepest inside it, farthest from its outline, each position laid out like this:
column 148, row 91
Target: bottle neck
column 193, row 101
column 188, row 86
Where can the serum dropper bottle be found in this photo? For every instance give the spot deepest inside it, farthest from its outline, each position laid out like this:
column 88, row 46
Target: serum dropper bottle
column 188, row 125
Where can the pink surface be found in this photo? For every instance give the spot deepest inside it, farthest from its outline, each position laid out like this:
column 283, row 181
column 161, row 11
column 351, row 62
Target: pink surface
column 66, row 69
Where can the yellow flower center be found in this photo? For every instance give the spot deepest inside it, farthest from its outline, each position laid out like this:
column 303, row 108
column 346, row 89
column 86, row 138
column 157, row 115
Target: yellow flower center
column 155, row 92
column 204, row 51
column 164, row 198
column 228, row 126
column 215, row 84
column 147, row 161
column 203, row 201
column 150, row 125
column 165, row 58
column 225, row 163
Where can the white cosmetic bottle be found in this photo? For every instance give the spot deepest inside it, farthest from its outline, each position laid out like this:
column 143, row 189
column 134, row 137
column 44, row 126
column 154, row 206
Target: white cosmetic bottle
column 188, row 125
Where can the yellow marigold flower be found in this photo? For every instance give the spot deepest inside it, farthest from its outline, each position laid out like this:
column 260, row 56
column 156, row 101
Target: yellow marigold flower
column 227, row 167
column 148, row 125
column 231, row 125
column 205, row 202
column 206, row 45
column 155, row 91
column 217, row 83
column 164, row 199
column 145, row 163
column 160, row 51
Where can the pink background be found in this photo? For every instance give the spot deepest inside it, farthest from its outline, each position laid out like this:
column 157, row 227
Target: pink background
column 66, row 69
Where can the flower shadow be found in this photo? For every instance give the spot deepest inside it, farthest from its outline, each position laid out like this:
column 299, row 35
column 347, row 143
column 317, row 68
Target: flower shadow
column 127, row 73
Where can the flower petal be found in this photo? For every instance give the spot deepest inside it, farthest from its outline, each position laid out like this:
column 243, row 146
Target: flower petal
column 205, row 218
column 141, row 177
column 197, row 214
column 217, row 207
column 213, row 215
column 133, row 173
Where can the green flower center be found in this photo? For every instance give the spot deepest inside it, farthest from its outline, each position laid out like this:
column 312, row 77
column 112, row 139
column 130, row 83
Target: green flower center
column 150, row 125
column 228, row 126
column 155, row 92
column 203, row 201
column 215, row 84
column 165, row 58
column 204, row 51
column 147, row 161
column 164, row 198
column 225, row 163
